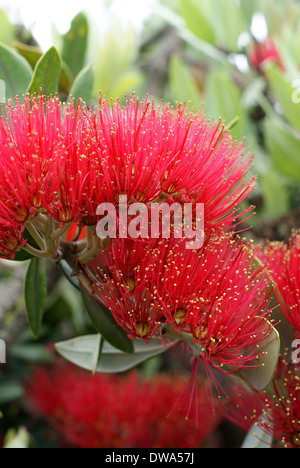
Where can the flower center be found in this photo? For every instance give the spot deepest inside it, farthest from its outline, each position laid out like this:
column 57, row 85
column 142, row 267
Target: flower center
column 142, row 329
column 130, row 284
column 179, row 316
column 296, row 440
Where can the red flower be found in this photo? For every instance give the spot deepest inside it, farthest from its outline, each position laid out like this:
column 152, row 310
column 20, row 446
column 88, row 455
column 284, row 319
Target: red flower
column 263, row 52
column 283, row 263
column 214, row 295
column 151, row 154
column 119, row 279
column 11, row 239
column 61, row 162
column 217, row 296
column 30, row 138
column 111, row 411
column 277, row 411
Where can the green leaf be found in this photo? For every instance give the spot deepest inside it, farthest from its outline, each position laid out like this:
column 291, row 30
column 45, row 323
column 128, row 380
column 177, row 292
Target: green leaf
column 22, row 255
column 275, row 194
column 176, row 21
column 228, row 23
column 260, row 376
column 196, row 20
column 284, row 149
column 10, row 391
column 183, row 86
column 35, row 294
column 258, row 438
column 7, row 30
column 14, row 71
column 83, row 85
column 31, row 353
column 81, row 352
column 115, row 70
column 33, row 54
column 223, row 100
column 283, row 92
column 105, row 323
column 97, row 353
column 75, row 44
column 46, row 74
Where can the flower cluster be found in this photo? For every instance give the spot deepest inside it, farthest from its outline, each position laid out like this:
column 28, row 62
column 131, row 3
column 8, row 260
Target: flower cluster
column 283, row 263
column 213, row 297
column 59, row 163
column 276, row 412
column 114, row 411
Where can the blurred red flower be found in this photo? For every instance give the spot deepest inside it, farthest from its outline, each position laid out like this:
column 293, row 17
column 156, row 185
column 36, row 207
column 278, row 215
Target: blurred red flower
column 262, row 52
column 283, row 263
column 113, row 411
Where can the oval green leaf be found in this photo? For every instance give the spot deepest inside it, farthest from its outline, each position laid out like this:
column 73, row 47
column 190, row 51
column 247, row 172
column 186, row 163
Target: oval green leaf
column 22, row 255
column 75, row 44
column 105, row 324
column 283, row 92
column 83, row 85
column 257, row 438
column 14, row 71
column 182, row 84
column 81, row 352
column 35, row 294
column 260, row 376
column 33, row 54
column 46, row 74
column 196, row 20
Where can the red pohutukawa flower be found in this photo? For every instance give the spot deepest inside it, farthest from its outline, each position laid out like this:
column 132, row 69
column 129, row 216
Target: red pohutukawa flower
column 117, row 412
column 30, row 138
column 276, row 411
column 11, row 239
column 148, row 154
column 265, row 52
column 283, row 263
column 59, row 163
column 213, row 295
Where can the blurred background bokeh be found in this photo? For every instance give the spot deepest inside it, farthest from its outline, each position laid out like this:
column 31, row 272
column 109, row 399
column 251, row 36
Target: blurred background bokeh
column 236, row 60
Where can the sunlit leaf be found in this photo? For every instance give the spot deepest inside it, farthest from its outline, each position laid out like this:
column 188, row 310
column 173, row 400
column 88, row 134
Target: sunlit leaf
column 223, row 101
column 257, row 438
column 83, row 85
column 7, row 30
column 260, row 376
column 284, row 148
column 81, row 352
column 35, row 294
column 75, row 44
column 46, row 74
column 33, row 54
column 182, row 85
column 14, row 71
column 283, row 93
column 275, row 194
column 196, row 20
